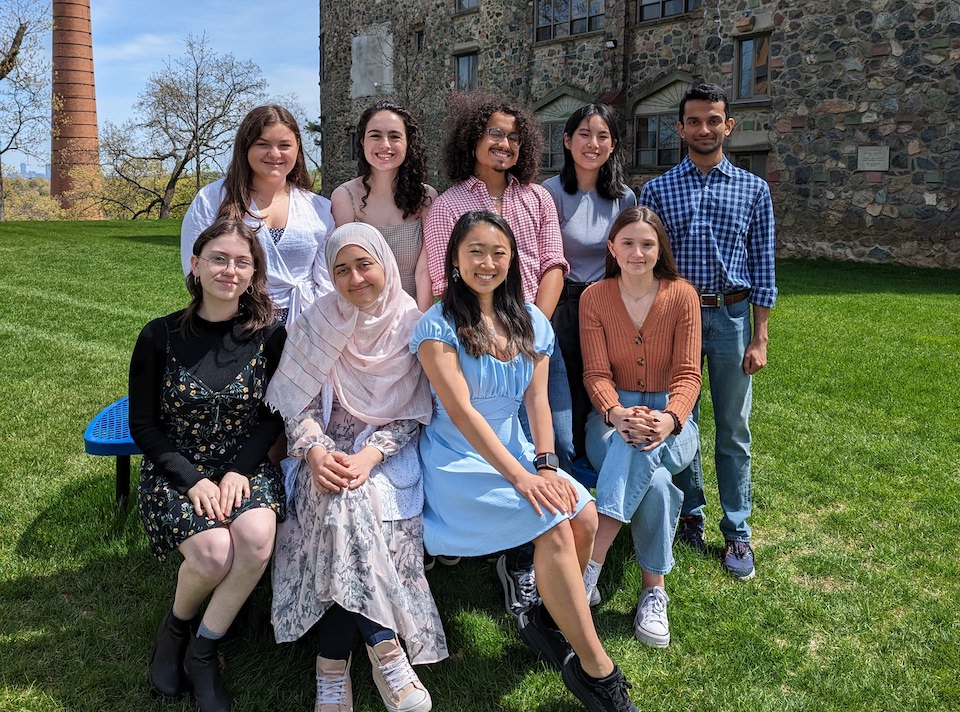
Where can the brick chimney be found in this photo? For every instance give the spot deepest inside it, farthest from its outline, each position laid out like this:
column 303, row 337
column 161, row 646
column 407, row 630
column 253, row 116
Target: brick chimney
column 74, row 141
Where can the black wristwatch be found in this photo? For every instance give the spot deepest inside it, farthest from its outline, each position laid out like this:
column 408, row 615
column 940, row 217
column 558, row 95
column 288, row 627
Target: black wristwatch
column 546, row 461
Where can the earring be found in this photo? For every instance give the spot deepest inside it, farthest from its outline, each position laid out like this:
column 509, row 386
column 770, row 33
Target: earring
column 456, row 274
column 249, row 290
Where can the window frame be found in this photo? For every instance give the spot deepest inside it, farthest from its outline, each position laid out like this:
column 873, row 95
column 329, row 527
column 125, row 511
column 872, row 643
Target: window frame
column 662, row 118
column 754, row 159
column 473, row 81
column 581, row 24
column 738, row 68
column 547, row 159
column 465, row 5
column 687, row 6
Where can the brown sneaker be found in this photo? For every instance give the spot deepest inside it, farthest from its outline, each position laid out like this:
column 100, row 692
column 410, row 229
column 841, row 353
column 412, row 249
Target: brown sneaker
column 398, row 684
column 334, row 692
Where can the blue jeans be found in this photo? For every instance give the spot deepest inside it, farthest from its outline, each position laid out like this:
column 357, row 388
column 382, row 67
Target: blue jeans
column 726, row 333
column 561, row 408
column 637, row 486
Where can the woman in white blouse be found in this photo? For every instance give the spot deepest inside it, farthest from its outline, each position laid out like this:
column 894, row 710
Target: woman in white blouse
column 268, row 185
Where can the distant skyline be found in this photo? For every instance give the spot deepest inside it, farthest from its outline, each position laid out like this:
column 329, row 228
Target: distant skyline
column 132, row 38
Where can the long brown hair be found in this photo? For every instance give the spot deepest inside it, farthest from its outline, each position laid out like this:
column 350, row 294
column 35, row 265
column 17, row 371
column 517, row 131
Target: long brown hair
column 666, row 267
column 255, row 303
column 236, row 199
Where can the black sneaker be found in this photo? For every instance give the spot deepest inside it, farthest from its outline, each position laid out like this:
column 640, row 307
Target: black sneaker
column 690, row 532
column 519, row 587
column 608, row 694
column 545, row 640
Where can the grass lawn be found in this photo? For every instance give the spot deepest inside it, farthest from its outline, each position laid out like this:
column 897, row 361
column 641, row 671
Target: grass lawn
column 856, row 423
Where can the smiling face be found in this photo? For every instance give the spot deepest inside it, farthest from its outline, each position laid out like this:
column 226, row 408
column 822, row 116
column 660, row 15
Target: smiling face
column 385, row 141
column 274, row 154
column 636, row 248
column 224, row 283
column 704, row 126
column 483, row 258
column 357, row 276
column 497, row 156
column 591, row 144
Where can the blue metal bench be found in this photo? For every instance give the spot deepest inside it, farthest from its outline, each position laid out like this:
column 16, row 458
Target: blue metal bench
column 109, row 434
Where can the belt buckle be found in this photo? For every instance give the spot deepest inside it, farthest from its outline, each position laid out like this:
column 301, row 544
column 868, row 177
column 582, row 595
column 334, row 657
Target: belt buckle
column 717, row 298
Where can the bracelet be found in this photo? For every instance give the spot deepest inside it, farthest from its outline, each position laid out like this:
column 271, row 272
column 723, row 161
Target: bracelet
column 606, row 416
column 677, row 427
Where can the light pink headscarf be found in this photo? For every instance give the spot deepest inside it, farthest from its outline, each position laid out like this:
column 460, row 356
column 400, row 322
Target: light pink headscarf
column 364, row 352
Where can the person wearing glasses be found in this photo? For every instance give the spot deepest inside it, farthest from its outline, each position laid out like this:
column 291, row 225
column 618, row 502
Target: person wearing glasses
column 207, row 488
column 493, row 155
column 268, row 186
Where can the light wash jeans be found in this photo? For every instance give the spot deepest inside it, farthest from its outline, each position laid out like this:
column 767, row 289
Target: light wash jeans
column 726, row 333
column 637, row 486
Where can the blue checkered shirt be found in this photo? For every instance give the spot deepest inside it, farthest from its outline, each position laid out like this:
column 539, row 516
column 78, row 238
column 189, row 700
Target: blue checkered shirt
column 720, row 226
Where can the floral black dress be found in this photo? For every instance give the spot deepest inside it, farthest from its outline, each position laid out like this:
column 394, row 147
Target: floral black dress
column 210, row 429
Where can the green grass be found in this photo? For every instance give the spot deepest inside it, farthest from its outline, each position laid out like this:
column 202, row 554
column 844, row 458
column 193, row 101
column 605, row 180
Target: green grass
column 857, row 491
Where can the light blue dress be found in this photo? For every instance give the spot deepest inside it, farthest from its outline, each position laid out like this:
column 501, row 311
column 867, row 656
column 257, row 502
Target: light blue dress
column 470, row 509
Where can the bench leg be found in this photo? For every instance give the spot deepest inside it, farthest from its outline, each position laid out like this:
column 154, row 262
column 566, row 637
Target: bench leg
column 123, row 480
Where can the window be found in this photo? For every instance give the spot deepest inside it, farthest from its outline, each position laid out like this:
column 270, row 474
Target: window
column 753, row 68
column 466, row 5
column 467, row 72
column 754, row 161
column 553, row 145
column 561, row 18
column 657, row 143
column 655, row 9
column 419, row 41
column 353, row 146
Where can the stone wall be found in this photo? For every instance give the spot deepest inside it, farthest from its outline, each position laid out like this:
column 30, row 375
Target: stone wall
column 843, row 76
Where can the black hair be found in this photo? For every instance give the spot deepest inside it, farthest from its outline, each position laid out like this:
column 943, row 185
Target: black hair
column 705, row 92
column 462, row 305
column 409, row 192
column 611, row 183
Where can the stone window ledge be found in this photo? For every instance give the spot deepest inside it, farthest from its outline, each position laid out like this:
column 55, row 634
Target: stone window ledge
column 751, row 103
column 570, row 38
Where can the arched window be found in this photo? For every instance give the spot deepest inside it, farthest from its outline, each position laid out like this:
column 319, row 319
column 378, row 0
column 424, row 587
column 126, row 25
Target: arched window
column 656, row 141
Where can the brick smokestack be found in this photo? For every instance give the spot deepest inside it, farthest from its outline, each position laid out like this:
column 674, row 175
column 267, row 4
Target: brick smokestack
column 74, row 141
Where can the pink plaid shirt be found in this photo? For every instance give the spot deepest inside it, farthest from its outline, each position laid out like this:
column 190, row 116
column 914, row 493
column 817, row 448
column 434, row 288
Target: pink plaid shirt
column 529, row 211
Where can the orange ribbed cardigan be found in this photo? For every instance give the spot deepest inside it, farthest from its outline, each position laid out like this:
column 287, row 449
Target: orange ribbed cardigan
column 663, row 356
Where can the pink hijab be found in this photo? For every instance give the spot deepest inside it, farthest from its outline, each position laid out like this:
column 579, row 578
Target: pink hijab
column 363, row 352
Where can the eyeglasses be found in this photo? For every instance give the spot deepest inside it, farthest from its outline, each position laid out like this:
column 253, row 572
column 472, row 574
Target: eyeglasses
column 497, row 135
column 218, row 263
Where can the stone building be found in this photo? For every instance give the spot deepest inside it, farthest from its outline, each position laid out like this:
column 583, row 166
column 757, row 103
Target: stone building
column 851, row 111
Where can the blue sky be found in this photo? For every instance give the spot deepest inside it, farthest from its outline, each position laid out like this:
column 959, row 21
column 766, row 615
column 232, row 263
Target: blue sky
column 132, row 38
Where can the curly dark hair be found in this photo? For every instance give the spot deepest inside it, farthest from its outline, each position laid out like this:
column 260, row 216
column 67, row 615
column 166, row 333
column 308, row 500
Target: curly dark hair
column 705, row 92
column 239, row 178
column 462, row 305
column 610, row 183
column 255, row 303
column 409, row 192
column 469, row 114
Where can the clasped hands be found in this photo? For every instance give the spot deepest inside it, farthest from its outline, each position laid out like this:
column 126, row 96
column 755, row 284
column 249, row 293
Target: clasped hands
column 641, row 426
column 333, row 471
column 215, row 501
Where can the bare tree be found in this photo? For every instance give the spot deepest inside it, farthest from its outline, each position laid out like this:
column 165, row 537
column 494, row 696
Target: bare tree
column 24, row 80
column 188, row 114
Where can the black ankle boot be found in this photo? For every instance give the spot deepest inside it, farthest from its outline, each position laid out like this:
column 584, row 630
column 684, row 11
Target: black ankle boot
column 166, row 658
column 202, row 668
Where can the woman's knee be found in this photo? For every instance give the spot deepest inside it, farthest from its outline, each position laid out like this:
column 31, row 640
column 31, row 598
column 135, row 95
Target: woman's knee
column 558, row 538
column 254, row 533
column 585, row 524
column 209, row 553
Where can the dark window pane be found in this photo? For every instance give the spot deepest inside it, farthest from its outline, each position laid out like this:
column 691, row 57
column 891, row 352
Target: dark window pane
column 544, row 33
column 746, row 70
column 648, row 158
column 672, row 7
column 578, row 27
column 596, row 23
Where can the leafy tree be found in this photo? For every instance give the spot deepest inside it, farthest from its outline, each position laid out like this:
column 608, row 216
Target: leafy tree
column 188, row 114
column 30, row 199
column 24, row 79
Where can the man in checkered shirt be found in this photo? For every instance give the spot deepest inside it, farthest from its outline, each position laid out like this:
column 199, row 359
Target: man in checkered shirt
column 493, row 153
column 720, row 222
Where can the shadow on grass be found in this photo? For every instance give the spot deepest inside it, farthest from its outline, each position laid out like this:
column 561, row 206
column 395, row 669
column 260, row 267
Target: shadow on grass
column 797, row 277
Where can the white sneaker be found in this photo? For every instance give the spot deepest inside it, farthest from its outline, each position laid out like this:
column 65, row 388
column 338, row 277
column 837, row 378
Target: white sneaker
column 398, row 684
column 590, row 578
column 651, row 625
column 334, row 692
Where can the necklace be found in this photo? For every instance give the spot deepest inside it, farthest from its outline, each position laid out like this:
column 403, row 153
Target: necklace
column 639, row 308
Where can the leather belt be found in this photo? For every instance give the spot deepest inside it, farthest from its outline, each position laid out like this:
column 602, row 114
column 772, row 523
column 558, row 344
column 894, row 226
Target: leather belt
column 572, row 290
column 719, row 300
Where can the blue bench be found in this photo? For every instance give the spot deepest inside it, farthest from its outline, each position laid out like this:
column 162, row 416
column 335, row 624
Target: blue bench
column 109, row 435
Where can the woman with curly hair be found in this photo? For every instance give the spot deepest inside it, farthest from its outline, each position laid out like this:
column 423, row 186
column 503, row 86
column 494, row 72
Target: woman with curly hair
column 268, row 186
column 390, row 193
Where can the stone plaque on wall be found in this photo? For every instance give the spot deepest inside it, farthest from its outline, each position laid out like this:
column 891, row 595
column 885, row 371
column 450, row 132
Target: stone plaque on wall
column 873, row 158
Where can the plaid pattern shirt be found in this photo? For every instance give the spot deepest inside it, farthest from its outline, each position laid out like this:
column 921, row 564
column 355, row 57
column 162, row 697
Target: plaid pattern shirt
column 720, row 226
column 529, row 211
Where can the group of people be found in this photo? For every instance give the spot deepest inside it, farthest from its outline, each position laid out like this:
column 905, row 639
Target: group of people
column 313, row 405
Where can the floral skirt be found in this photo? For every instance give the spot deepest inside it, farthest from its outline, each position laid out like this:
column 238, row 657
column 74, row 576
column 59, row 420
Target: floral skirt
column 169, row 517
column 334, row 548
